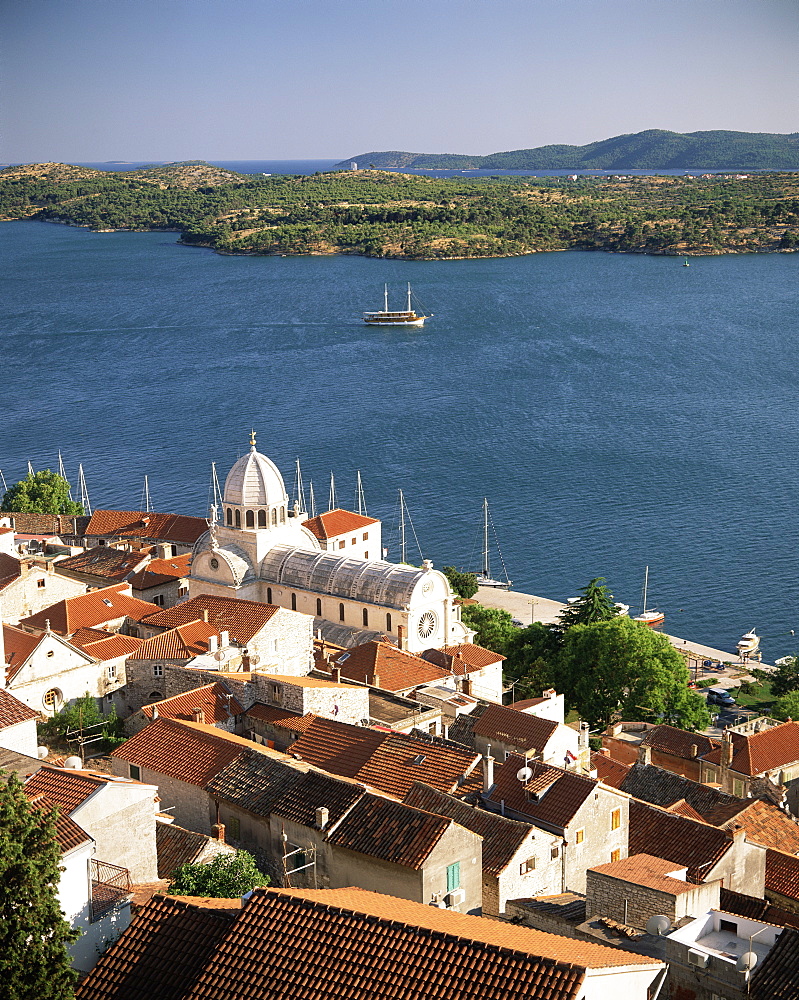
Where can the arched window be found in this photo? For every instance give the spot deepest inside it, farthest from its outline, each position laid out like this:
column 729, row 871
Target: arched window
column 282, row 515
column 318, row 607
column 293, row 602
column 230, row 517
column 268, row 595
column 365, row 617
column 341, row 612
column 238, row 518
column 274, row 515
column 261, row 518
column 250, row 519
column 388, row 623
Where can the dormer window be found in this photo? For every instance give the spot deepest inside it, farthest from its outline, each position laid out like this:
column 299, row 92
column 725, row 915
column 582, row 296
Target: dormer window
column 107, row 602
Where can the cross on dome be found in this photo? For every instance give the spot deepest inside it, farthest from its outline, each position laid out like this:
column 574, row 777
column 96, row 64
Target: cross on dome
column 252, row 439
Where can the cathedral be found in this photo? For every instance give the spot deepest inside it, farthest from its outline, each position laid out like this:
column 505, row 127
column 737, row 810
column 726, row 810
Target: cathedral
column 258, row 548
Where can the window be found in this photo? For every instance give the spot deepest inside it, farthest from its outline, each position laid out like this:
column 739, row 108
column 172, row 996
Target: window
column 158, row 670
column 365, row 535
column 51, row 652
column 341, row 612
column 354, row 541
column 109, row 697
column 274, row 692
column 365, row 617
column 41, row 584
column 230, row 517
column 729, row 925
column 579, row 836
column 135, row 772
column 234, row 826
column 388, row 623
column 183, row 591
column 341, row 544
column 174, row 550
column 112, row 671
column 249, row 519
column 738, row 788
column 318, row 607
column 453, row 876
column 615, row 819
column 155, row 696
column 366, row 555
column 554, row 853
column 159, row 600
column 293, row 602
column 52, row 700
column 282, row 515
column 274, row 517
column 615, row 855
column 527, row 866
column 268, row 595
column 238, row 518
column 261, row 518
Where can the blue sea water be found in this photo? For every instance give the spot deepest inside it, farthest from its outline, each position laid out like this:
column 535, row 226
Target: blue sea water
column 617, row 410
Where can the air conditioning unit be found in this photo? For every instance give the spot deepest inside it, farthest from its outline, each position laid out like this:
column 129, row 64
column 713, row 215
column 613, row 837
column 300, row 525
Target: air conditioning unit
column 456, row 897
column 698, row 958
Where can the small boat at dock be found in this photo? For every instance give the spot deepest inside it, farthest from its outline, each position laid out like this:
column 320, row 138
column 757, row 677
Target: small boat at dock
column 484, row 578
column 649, row 617
column 749, row 646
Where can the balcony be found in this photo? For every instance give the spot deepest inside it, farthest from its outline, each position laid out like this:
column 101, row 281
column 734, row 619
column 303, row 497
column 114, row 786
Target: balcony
column 110, row 884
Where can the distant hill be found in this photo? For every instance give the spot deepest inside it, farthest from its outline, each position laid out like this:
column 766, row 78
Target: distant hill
column 655, row 149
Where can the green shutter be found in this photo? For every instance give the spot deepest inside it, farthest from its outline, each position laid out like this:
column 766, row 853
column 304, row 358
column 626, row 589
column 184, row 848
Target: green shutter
column 453, row 876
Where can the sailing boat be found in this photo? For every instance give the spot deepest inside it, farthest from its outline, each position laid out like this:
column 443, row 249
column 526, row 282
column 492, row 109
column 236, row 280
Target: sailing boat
column 384, row 317
column 648, row 617
column 685, row 263
column 484, row 578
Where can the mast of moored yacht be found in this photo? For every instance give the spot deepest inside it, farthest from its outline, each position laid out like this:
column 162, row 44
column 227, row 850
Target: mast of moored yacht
column 646, row 584
column 402, row 526
column 84, row 493
column 385, row 297
column 360, row 499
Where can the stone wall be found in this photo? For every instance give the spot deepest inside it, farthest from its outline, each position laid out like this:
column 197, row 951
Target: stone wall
column 633, row 904
column 594, row 818
column 36, row 589
column 190, row 805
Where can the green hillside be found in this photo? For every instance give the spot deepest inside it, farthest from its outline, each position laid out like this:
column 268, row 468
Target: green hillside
column 655, row 149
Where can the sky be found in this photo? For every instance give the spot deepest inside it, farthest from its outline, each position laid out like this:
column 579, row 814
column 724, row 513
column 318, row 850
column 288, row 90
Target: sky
column 97, row 80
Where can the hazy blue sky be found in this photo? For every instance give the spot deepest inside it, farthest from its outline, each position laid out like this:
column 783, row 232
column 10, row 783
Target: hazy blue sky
column 270, row 79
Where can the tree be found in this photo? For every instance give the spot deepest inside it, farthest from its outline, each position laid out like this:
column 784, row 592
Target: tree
column 83, row 715
column 786, row 679
column 42, row 493
column 227, row 876
column 34, row 961
column 787, row 707
column 494, row 627
column 621, row 668
column 531, row 657
column 595, row 605
column 464, row 584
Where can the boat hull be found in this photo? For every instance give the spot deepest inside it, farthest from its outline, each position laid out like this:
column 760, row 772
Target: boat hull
column 485, row 581
column 375, row 319
column 652, row 619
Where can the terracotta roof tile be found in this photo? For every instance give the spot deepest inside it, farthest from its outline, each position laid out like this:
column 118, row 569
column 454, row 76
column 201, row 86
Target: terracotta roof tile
column 336, row 522
column 158, row 572
column 502, row 837
column 113, row 646
column 336, row 747
column 469, row 656
column 280, row 717
column 686, row 842
column 29, row 523
column 390, row 831
column 610, row 772
column 778, row 974
column 649, row 871
column 242, row 619
column 678, row 742
column 146, row 524
column 183, row 642
column 161, row 954
column 176, row 846
column 254, row 781
column 67, row 788
column 757, row 753
column 13, row 711
column 9, row 569
column 684, row 809
column 104, row 562
column 67, row 832
column 560, row 793
column 19, row 645
column 89, row 610
column 216, row 701
column 756, row 908
column 767, row 825
column 395, row 669
column 182, row 750
column 518, row 729
column 662, row 788
column 314, row 789
column 782, row 873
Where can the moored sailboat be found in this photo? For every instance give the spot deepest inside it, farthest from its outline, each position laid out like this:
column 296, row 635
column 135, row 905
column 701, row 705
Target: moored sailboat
column 484, row 578
column 387, row 317
column 648, row 616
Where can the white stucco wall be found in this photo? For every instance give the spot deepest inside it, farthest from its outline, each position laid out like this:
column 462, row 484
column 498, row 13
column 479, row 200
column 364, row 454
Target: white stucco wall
column 20, row 738
column 56, row 665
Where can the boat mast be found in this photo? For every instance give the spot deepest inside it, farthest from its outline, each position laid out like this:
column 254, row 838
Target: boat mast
column 360, row 499
column 385, row 297
column 84, row 493
column 646, row 584
column 146, row 504
column 63, row 474
column 486, row 567
column 30, row 470
column 402, row 527
column 409, row 296
column 3, row 481
column 300, row 489
column 332, row 505
column 312, row 502
column 215, row 487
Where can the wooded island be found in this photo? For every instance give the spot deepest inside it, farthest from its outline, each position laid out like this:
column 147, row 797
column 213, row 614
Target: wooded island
column 381, row 214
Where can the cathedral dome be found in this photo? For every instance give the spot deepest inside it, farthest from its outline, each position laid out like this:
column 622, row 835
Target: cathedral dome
column 254, row 481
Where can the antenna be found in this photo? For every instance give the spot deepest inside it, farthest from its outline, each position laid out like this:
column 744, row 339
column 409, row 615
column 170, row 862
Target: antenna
column 332, row 502
column 311, row 498
column 84, row 493
column 360, row 500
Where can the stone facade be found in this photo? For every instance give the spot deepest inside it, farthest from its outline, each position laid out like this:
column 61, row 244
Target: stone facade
column 36, row 588
column 633, row 904
column 600, row 841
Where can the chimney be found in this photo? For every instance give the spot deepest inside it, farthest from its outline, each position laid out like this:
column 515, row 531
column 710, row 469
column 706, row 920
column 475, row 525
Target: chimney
column 322, row 816
column 376, row 680
column 155, row 711
column 726, row 749
column 549, row 693
column 645, row 755
column 224, row 639
column 218, row 832
column 738, row 835
column 204, row 614
column 401, row 641
column 693, row 750
column 488, row 770
column 198, row 715
column 213, row 643
column 445, row 730
column 604, row 751
column 336, row 672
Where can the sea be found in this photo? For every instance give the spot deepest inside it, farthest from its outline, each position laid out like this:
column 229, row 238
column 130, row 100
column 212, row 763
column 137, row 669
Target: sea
column 618, row 411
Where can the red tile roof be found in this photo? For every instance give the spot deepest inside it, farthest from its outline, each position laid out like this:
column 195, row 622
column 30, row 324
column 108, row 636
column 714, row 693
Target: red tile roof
column 768, row 825
column 528, row 733
column 757, row 753
column 336, row 522
column 560, row 793
column 280, row 717
column 67, row 788
column 683, row 841
column 9, row 569
column 678, row 742
column 162, row 571
column 67, row 832
column 111, row 647
column 215, row 700
column 181, row 643
column 19, row 645
column 343, row 943
column 782, row 873
column 683, row 808
column 395, row 669
column 609, row 771
column 89, row 610
column 104, row 562
column 142, row 524
column 649, row 871
column 13, row 711
column 471, row 657
column 182, row 750
column 242, row 619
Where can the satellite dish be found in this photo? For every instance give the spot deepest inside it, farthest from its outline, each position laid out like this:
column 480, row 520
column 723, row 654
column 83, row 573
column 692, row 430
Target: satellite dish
column 42, row 752
column 524, row 773
column 255, row 659
column 219, row 655
column 746, row 962
column 74, row 763
column 658, row 925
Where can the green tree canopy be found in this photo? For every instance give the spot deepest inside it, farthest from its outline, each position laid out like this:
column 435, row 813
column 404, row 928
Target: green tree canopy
column 594, row 605
column 494, row 627
column 786, row 678
column 621, row 668
column 42, row 493
column 464, row 584
column 34, row 961
column 787, row 707
column 227, row 876
column 532, row 655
